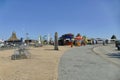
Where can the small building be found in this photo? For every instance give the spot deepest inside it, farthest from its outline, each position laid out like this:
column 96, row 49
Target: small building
column 31, row 41
column 13, row 39
column 112, row 41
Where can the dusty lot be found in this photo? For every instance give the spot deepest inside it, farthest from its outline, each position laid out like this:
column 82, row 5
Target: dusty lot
column 42, row 65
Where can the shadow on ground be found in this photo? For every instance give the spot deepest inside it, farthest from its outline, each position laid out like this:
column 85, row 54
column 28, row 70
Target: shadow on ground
column 114, row 55
column 51, row 50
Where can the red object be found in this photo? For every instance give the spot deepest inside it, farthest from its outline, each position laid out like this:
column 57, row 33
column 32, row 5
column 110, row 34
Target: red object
column 78, row 38
column 68, row 43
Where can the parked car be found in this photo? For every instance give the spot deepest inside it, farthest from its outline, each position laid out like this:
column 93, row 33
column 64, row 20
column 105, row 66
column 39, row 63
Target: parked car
column 99, row 41
column 89, row 41
column 117, row 44
column 1, row 45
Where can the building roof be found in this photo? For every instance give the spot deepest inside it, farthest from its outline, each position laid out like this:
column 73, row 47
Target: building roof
column 13, row 37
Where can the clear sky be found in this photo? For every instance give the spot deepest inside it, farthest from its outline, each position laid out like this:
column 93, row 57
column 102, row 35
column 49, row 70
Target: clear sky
column 93, row 18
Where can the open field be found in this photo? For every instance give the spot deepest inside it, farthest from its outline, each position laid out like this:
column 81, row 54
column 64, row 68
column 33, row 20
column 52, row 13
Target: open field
column 42, row 65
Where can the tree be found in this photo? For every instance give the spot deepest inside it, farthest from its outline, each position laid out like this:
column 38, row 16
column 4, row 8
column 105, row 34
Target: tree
column 78, row 35
column 113, row 37
column 84, row 37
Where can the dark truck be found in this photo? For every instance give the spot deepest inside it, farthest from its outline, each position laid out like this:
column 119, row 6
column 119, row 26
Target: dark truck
column 117, row 44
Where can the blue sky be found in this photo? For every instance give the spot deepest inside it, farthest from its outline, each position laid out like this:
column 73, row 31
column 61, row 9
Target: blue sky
column 93, row 18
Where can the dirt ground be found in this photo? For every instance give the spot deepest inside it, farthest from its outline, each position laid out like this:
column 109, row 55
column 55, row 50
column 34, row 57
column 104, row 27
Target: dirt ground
column 42, row 65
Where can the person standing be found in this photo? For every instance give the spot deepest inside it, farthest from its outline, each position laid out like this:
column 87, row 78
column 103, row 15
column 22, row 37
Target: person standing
column 103, row 43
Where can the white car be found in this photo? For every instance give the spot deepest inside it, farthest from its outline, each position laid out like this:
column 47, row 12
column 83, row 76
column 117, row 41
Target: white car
column 100, row 40
column 2, row 45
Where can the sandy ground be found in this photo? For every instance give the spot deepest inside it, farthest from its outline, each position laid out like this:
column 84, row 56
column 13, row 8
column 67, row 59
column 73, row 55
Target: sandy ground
column 42, row 65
